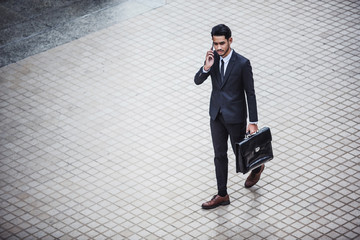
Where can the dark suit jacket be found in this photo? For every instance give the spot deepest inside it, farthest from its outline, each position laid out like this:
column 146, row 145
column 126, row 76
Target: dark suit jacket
column 229, row 96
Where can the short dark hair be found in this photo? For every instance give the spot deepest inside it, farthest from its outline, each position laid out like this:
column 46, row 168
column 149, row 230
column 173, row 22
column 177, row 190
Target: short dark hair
column 221, row 30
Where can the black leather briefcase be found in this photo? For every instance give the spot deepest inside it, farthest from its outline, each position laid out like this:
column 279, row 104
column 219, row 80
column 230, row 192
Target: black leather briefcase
column 254, row 150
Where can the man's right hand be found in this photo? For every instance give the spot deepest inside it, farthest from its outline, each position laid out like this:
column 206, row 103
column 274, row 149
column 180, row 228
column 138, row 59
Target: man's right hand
column 209, row 60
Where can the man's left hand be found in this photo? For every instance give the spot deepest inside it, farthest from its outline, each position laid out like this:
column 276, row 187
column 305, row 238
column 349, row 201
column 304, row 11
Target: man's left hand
column 252, row 128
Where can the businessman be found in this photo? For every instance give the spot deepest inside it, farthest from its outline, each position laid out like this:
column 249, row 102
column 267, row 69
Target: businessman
column 232, row 96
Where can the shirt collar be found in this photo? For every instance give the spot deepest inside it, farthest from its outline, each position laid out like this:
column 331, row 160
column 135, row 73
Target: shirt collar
column 227, row 58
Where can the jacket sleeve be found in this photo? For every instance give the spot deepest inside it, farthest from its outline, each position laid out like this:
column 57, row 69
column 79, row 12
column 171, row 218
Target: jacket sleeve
column 247, row 77
column 201, row 76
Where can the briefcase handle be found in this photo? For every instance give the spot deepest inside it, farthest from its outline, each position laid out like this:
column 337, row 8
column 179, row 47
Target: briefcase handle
column 248, row 135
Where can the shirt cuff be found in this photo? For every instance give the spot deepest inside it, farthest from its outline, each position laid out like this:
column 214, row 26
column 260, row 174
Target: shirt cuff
column 253, row 123
column 204, row 71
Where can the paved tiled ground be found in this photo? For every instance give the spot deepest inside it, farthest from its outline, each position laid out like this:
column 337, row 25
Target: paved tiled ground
column 107, row 137
column 33, row 26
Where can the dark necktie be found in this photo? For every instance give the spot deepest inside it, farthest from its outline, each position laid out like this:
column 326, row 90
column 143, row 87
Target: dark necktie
column 222, row 70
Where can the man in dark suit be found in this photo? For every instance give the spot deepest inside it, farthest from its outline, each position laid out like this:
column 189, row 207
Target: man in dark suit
column 232, row 96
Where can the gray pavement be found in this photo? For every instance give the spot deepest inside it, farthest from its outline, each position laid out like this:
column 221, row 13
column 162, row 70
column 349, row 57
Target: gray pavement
column 33, row 26
column 107, row 136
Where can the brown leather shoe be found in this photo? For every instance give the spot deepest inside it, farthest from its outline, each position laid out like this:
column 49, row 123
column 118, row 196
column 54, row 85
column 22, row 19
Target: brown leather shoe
column 216, row 201
column 253, row 178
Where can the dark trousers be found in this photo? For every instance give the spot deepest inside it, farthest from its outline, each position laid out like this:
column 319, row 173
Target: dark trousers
column 220, row 131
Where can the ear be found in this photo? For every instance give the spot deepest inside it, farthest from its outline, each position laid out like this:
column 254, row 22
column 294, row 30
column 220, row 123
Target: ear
column 230, row 40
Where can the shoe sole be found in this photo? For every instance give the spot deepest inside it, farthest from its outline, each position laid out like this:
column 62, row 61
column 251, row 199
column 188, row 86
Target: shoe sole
column 215, row 206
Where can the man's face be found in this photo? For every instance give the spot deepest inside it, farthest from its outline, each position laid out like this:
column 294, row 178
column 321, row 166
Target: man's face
column 222, row 45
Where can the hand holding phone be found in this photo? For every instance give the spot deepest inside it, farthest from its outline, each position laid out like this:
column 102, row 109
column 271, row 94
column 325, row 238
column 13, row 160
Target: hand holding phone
column 209, row 59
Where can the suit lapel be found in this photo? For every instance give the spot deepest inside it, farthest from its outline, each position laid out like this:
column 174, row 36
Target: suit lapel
column 229, row 68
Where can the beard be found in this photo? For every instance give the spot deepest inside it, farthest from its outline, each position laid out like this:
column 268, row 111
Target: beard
column 223, row 52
